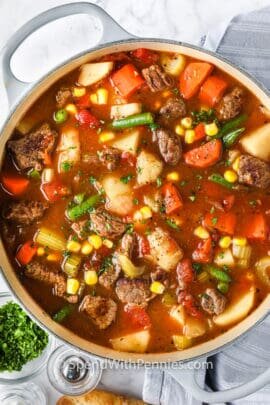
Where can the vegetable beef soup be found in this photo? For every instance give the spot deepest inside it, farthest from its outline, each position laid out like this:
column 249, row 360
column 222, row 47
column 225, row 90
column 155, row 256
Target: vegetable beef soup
column 135, row 202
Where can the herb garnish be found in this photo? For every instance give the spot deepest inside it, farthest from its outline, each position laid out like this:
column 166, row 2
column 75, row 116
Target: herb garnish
column 66, row 166
column 126, row 179
column 172, row 224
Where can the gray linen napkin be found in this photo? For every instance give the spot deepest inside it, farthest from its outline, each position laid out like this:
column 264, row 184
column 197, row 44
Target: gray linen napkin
column 246, row 42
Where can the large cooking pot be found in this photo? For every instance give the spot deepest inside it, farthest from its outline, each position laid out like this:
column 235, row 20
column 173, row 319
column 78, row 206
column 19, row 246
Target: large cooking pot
column 22, row 95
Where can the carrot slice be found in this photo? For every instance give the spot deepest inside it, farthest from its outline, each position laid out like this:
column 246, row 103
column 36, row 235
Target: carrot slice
column 199, row 131
column 15, row 185
column 54, row 191
column 256, row 227
column 204, row 252
column 205, row 155
column 127, row 80
column 172, row 198
column 26, row 253
column 212, row 90
column 193, row 76
column 138, row 316
column 224, row 222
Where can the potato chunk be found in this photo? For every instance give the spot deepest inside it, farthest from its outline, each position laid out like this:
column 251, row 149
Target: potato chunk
column 69, row 148
column 257, row 143
column 178, row 314
column 93, row 72
column 119, row 111
column 127, row 142
column 136, row 342
column 149, row 167
column 194, row 327
column 119, row 195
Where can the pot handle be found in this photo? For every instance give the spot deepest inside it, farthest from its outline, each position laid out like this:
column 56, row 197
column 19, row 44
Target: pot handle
column 187, row 377
column 111, row 31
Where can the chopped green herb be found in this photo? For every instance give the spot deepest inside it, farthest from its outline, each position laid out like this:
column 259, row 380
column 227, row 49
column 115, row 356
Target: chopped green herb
column 63, row 313
column 206, row 116
column 130, row 228
column 175, row 91
column 153, row 126
column 212, row 210
column 34, row 174
column 199, row 176
column 197, row 267
column 214, row 220
column 183, row 183
column 139, row 170
column 126, row 179
column 107, row 262
column 148, row 232
column 92, row 180
column 159, row 182
column 253, row 203
column 66, row 166
column 172, row 224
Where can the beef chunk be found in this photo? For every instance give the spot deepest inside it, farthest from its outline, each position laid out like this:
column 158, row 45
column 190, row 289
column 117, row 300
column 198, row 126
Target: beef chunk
column 160, row 275
column 106, row 225
column 63, row 96
column 185, row 273
column 253, row 172
column 8, row 235
column 156, row 78
column 173, row 108
column 31, row 150
column 80, row 228
column 109, row 276
column 102, row 311
column 231, row 104
column 127, row 244
column 213, row 301
column 135, row 291
column 25, row 212
column 169, row 145
column 110, row 157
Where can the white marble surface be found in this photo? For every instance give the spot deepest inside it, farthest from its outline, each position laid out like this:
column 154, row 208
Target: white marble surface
column 185, row 20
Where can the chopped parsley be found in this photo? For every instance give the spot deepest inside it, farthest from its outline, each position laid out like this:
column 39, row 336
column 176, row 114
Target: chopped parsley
column 183, row 183
column 172, row 224
column 107, row 262
column 148, row 232
column 154, row 126
column 214, row 220
column 66, row 166
column 34, row 174
column 126, row 179
column 197, row 267
column 206, row 116
column 139, row 170
column 92, row 180
column 130, row 228
column 135, row 201
column 212, row 210
column 175, row 91
column 159, row 182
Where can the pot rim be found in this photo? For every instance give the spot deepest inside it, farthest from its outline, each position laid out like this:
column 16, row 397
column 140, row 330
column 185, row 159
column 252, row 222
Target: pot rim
column 60, row 332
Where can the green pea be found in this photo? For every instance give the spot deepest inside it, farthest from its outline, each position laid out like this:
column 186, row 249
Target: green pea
column 223, row 287
column 60, row 116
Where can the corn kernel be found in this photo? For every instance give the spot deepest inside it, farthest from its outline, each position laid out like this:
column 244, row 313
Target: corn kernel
column 225, row 242
column 93, row 98
column 86, row 248
column 203, row 277
column 230, row 176
column 179, row 130
column 157, row 288
column 173, row 176
column 53, row 257
column 102, row 96
column 239, row 241
column 71, row 108
column 108, row 243
column 186, row 122
column 90, row 277
column 73, row 246
column 72, row 286
column 189, row 136
column 78, row 91
column 95, row 241
column 201, row 232
column 146, row 212
column 211, row 129
column 106, row 136
column 235, row 164
column 40, row 251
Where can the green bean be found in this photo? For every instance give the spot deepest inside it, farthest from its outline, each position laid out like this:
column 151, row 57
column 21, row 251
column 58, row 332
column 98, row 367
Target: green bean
column 63, row 313
column 77, row 211
column 60, row 116
column 230, row 138
column 223, row 287
column 133, row 121
column 231, row 125
column 220, row 275
column 78, row 198
column 217, row 178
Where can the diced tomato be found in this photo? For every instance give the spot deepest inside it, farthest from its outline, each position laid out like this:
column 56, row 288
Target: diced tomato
column 199, row 131
column 212, row 90
column 26, row 253
column 144, row 246
column 204, row 251
column 129, row 158
column 190, row 304
column 15, row 185
column 127, row 80
column 172, row 198
column 205, row 155
column 145, row 55
column 138, row 316
column 228, row 202
column 185, row 272
column 256, row 227
column 86, row 118
column 84, row 101
column 192, row 78
column 54, row 191
column 224, row 222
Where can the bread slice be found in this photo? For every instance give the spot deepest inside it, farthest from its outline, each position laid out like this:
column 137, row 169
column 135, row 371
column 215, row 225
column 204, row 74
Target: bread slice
column 97, row 397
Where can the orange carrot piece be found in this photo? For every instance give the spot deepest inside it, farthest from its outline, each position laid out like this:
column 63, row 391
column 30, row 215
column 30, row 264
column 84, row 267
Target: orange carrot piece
column 212, row 90
column 204, row 252
column 224, row 222
column 127, row 80
column 172, row 198
column 26, row 253
column 205, row 155
column 199, row 131
column 192, row 78
column 15, row 185
column 256, row 227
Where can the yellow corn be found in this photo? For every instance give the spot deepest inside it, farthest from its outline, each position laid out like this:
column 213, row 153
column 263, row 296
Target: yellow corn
column 53, row 257
column 189, row 136
column 102, row 96
column 239, row 241
column 73, row 246
column 235, row 164
column 173, row 176
column 93, row 98
column 71, row 108
column 40, row 251
column 72, row 286
column 146, row 212
column 106, row 136
column 95, row 241
column 203, row 277
column 108, row 243
column 179, row 130
column 86, row 248
column 211, row 129
column 230, row 176
column 201, row 232
column 182, row 342
column 78, row 91
column 225, row 242
column 157, row 288
column 90, row 277
column 137, row 216
column 186, row 122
